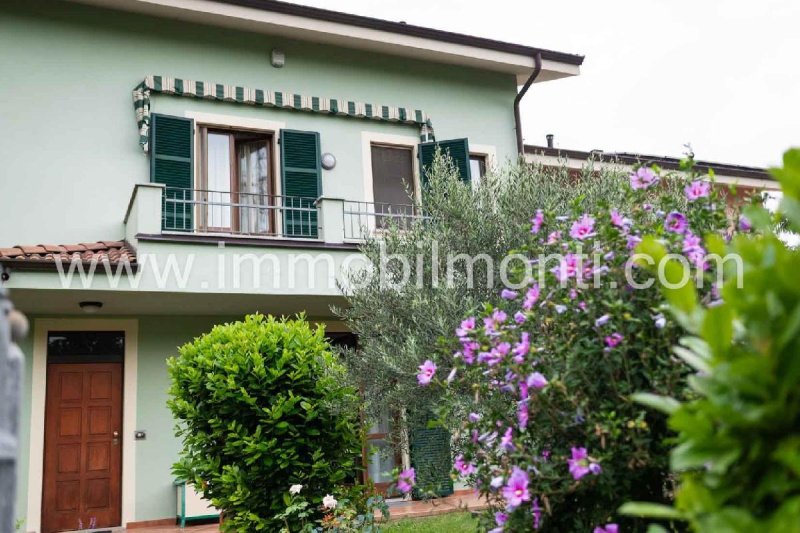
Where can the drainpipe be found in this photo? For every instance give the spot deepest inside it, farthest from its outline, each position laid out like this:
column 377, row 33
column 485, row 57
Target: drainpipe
column 537, row 68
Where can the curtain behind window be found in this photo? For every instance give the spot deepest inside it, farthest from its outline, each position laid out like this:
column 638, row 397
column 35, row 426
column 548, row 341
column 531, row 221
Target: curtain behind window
column 254, row 215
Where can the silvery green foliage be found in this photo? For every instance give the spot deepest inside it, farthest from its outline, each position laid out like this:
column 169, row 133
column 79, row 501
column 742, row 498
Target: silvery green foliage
column 400, row 326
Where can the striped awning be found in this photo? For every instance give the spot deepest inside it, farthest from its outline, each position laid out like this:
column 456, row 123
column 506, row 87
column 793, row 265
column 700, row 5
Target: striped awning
column 278, row 99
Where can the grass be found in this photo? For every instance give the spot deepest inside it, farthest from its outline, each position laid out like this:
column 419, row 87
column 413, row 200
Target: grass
column 446, row 523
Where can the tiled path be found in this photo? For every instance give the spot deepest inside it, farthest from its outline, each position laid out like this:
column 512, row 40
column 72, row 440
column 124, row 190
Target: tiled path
column 397, row 509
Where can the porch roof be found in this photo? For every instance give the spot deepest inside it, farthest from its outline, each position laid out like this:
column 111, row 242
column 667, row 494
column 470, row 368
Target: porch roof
column 46, row 255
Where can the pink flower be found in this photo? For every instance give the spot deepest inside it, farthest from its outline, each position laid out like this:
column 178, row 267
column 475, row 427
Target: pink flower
column 583, row 228
column 519, row 317
column 531, row 297
column 537, row 513
column 614, row 340
column 643, row 178
column 500, row 518
column 697, row 189
column 602, row 321
column 609, row 528
column 676, row 222
column 508, row 294
column 426, row 372
column 522, row 415
column 580, row 464
column 537, row 221
column 462, row 467
column 467, row 327
column 536, row 381
column 568, row 268
column 554, row 237
column 522, row 348
column 507, row 440
column 633, row 241
column 406, row 481
column 617, row 219
column 516, row 489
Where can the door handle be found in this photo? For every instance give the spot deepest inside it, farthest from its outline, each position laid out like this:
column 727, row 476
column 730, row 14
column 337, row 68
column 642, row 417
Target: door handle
column 115, row 434
column 115, row 438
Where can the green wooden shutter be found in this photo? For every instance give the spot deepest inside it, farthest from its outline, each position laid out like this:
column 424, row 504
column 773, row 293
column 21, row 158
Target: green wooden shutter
column 172, row 163
column 301, row 182
column 430, row 457
column 458, row 149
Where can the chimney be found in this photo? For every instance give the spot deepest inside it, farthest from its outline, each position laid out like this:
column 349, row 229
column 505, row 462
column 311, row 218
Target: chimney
column 549, row 140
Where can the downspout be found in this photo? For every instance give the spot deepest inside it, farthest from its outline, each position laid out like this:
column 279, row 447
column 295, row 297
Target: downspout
column 537, row 68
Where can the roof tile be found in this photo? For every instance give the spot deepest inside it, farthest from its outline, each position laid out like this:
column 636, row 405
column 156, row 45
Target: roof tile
column 114, row 251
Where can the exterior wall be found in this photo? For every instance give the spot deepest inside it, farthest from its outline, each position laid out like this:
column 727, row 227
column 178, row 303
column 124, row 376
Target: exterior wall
column 158, row 339
column 74, row 158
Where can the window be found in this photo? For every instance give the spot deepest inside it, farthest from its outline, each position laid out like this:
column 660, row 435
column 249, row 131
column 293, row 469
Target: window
column 393, row 183
column 477, row 166
column 237, row 185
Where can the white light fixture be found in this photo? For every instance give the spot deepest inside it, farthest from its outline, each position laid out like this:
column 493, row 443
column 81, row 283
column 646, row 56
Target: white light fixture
column 277, row 58
column 91, row 308
column 328, row 161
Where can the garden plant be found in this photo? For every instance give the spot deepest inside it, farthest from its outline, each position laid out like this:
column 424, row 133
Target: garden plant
column 543, row 376
column 261, row 405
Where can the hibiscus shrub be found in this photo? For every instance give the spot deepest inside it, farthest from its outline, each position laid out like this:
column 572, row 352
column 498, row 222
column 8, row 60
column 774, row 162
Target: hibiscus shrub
column 553, row 438
column 261, row 405
column 737, row 456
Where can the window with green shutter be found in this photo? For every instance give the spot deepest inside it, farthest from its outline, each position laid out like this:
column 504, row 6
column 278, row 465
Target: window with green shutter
column 457, row 149
column 171, row 163
column 300, row 182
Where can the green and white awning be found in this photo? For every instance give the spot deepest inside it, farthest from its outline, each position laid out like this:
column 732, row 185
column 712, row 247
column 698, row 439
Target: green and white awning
column 278, row 99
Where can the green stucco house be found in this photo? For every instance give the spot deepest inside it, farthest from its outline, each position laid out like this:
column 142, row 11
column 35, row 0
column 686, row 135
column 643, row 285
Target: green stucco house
column 172, row 164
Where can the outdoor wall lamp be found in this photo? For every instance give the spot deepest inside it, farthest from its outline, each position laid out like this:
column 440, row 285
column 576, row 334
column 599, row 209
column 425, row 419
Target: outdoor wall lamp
column 328, row 161
column 91, row 308
column 277, row 58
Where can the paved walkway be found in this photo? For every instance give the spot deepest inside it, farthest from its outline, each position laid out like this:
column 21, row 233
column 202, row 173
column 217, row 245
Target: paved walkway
column 397, row 509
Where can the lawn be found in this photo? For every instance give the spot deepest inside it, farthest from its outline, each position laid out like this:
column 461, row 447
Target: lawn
column 446, row 523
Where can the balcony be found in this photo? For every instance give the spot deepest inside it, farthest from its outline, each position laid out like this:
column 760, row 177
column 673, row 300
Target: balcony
column 167, row 212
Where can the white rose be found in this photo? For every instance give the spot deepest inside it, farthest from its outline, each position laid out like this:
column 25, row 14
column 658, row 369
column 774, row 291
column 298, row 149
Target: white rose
column 295, row 489
column 329, row 502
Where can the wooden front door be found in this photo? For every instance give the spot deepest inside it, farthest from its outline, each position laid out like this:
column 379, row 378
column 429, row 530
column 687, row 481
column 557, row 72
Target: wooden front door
column 83, row 450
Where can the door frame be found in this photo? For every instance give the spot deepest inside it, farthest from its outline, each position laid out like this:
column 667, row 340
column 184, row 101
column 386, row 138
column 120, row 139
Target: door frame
column 41, row 327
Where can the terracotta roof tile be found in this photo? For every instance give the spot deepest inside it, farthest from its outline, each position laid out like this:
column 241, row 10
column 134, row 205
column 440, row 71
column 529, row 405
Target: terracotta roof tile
column 114, row 251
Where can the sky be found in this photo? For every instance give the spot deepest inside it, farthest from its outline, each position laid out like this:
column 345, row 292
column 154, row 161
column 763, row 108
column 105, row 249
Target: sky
column 723, row 75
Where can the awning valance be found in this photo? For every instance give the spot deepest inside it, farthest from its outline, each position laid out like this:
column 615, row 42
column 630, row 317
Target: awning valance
column 266, row 98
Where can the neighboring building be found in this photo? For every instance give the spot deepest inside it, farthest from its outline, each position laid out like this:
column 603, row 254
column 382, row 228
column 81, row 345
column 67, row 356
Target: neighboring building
column 228, row 153
column 747, row 179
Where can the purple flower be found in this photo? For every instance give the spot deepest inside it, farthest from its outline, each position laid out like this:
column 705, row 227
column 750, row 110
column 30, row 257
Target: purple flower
column 516, row 490
column 675, row 222
column 602, row 321
column 582, row 228
column 519, row 317
column 744, row 223
column 697, row 189
column 660, row 321
column 691, row 242
column 609, row 528
column 560, row 309
column 568, row 267
column 406, row 481
column 580, row 464
column 426, row 372
column 633, row 241
column 467, row 327
column 462, row 467
column 617, row 219
column 614, row 340
column 508, row 294
column 496, row 482
column 554, row 237
column 507, row 440
column 643, row 178
column 537, row 513
column 531, row 297
column 500, row 518
column 469, row 352
column 522, row 415
column 537, row 221
column 522, row 348
column 536, row 381
column 595, row 468
column 473, row 417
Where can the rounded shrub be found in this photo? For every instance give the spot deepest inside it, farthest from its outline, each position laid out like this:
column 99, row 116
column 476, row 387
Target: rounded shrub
column 263, row 404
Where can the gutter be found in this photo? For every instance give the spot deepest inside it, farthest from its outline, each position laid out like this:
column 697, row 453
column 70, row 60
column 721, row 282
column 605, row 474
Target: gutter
column 537, row 68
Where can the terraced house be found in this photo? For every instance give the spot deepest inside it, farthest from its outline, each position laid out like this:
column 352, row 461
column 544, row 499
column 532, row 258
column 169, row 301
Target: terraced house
column 172, row 164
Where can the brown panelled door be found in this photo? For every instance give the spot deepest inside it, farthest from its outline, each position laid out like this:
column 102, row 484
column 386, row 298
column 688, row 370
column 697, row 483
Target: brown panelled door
column 83, row 450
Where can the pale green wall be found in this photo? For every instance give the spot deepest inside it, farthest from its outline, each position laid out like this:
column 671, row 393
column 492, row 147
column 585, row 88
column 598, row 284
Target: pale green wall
column 24, row 428
column 70, row 152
